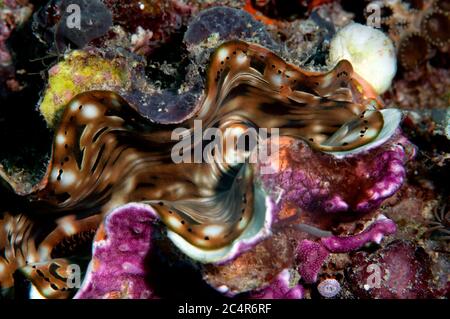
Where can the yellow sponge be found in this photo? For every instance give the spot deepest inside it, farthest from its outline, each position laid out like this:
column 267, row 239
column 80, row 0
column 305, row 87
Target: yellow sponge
column 80, row 71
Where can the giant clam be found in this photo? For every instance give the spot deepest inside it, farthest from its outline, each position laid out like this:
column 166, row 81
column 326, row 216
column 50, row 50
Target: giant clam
column 105, row 155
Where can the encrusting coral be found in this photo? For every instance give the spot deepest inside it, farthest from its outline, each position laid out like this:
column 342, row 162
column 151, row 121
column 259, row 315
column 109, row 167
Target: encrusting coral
column 417, row 28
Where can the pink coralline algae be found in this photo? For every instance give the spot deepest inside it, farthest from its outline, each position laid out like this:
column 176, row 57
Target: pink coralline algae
column 280, row 288
column 118, row 268
column 318, row 182
column 374, row 233
column 312, row 255
column 401, row 270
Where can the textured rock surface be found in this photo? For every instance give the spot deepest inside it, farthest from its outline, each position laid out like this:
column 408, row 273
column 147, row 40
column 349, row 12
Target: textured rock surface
column 283, row 287
column 228, row 24
column 254, row 269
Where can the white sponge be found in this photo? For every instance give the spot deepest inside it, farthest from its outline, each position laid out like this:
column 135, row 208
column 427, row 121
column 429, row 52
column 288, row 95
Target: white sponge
column 370, row 52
